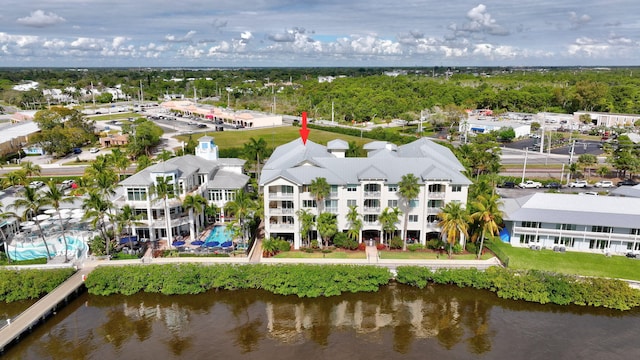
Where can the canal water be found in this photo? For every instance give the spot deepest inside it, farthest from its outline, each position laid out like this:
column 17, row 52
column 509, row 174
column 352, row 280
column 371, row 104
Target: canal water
column 398, row 322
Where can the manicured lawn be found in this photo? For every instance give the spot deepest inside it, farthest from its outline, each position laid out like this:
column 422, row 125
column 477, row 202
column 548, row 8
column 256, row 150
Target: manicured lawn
column 114, row 116
column 273, row 136
column 578, row 263
column 332, row 255
column 427, row 255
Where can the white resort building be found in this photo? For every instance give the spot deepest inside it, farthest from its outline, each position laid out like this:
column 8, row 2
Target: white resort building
column 205, row 174
column 604, row 224
column 370, row 183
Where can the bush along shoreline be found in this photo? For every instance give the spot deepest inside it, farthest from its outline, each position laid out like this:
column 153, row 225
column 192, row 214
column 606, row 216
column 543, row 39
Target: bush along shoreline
column 531, row 285
column 295, row 279
column 26, row 284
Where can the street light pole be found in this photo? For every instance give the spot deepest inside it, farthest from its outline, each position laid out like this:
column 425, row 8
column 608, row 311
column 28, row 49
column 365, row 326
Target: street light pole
column 524, row 167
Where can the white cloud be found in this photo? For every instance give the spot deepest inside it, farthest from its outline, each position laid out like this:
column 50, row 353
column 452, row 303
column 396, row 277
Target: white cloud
column 186, row 38
column 577, row 21
column 41, row 19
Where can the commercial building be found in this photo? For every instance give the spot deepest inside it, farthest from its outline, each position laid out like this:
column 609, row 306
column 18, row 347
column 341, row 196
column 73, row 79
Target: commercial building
column 479, row 126
column 205, row 174
column 370, row 183
column 240, row 118
column 603, row 224
column 608, row 119
column 13, row 137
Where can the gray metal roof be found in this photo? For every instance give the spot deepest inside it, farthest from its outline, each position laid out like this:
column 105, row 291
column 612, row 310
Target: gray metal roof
column 300, row 164
column 627, row 191
column 574, row 209
column 228, row 180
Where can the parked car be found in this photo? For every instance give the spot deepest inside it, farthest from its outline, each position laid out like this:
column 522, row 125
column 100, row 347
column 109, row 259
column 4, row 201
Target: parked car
column 530, row 184
column 579, row 184
column 627, row 182
column 553, row 185
column 507, row 185
column 36, row 184
column 76, row 150
column 94, row 150
column 604, row 184
column 67, row 184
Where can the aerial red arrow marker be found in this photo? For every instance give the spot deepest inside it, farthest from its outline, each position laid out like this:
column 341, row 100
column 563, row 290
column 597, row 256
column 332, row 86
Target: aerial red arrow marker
column 304, row 131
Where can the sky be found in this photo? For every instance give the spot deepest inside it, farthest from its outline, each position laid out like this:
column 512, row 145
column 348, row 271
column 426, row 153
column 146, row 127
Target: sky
column 323, row 33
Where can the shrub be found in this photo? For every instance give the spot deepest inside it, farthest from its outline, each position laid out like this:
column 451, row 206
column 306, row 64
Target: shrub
column 457, row 249
column 314, row 244
column 350, row 244
column 340, row 239
column 283, row 245
column 472, row 248
column 362, row 246
column 381, row 246
column 415, row 247
column 434, row 244
column 396, row 243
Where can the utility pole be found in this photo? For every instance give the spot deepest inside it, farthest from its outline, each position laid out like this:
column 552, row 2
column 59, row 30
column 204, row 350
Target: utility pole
column 573, row 145
column 524, row 167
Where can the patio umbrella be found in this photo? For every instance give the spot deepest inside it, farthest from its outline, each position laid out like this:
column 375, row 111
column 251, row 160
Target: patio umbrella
column 177, row 243
column 26, row 224
column 50, row 211
column 42, row 217
column 197, row 242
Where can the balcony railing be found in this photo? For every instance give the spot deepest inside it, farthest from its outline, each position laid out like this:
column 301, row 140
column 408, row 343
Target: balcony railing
column 372, row 194
column 576, row 233
column 280, row 195
column 372, row 209
column 280, row 211
column 280, row 226
column 433, row 210
column 437, row 195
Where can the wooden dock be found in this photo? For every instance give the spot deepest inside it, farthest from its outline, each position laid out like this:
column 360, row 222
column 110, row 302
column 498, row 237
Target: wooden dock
column 42, row 309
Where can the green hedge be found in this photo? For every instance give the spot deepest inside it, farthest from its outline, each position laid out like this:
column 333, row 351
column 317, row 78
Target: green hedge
column 18, row 285
column 299, row 279
column 532, row 285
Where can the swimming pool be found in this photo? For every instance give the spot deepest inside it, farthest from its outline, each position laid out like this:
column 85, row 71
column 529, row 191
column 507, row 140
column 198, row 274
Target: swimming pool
column 218, row 236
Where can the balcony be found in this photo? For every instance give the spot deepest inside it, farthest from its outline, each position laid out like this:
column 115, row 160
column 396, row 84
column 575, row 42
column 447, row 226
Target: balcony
column 433, row 210
column 372, row 209
column 280, row 195
column 372, row 194
column 431, row 226
column 280, row 226
column 576, row 234
column 280, row 211
column 437, row 195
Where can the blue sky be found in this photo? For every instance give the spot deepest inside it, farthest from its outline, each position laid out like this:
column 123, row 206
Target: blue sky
column 189, row 33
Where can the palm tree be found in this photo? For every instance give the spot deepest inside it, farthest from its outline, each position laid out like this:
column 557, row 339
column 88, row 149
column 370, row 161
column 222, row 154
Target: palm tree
column 127, row 217
column 210, row 211
column 307, row 220
column 16, row 177
column 255, row 150
column 120, row 161
column 4, row 236
column 454, row 222
column 143, row 162
column 96, row 208
column 56, row 198
column 388, row 219
column 488, row 216
column 408, row 188
column 241, row 208
column 31, row 202
column 99, row 165
column 355, row 223
column 165, row 155
column 30, row 169
column 195, row 205
column 319, row 189
column 327, row 226
column 164, row 190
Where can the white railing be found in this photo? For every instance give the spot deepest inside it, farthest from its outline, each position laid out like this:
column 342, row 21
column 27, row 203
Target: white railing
column 436, row 195
column 372, row 209
column 576, row 233
column 281, row 226
column 280, row 195
column 433, row 210
column 372, row 194
column 280, row 211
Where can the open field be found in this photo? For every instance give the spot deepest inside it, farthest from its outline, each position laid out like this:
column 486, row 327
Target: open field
column 576, row 263
column 274, row 136
column 114, row 116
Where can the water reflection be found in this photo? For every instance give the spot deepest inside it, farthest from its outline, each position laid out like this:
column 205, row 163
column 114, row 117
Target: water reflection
column 397, row 320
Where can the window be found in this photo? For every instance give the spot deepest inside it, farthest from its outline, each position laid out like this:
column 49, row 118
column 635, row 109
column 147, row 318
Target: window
column 230, row 195
column 200, row 179
column 287, row 189
column 352, row 202
column 215, row 195
column 435, row 203
column 566, row 227
column 601, row 229
column 635, row 232
column 526, row 239
column 432, row 218
column 530, row 224
column 352, row 188
column 392, row 187
column 456, row 188
column 598, row 244
column 413, row 218
column 436, row 188
column 308, row 203
column 392, row 203
column 331, row 206
column 141, row 214
column 413, row 203
column 137, row 194
column 334, row 189
column 370, row 218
